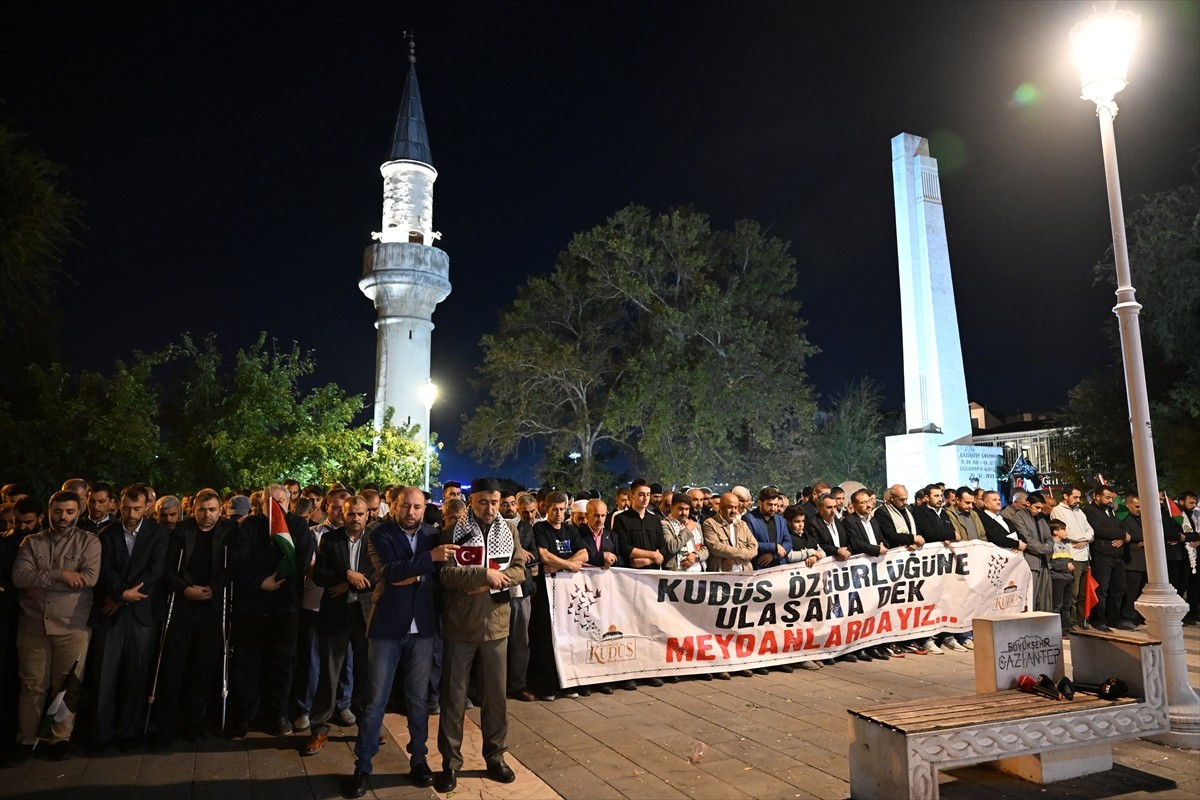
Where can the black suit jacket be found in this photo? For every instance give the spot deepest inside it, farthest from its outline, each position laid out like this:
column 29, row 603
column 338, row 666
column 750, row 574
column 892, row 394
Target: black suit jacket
column 1107, row 529
column 932, row 526
column 183, row 539
column 333, row 559
column 859, row 542
column 891, row 537
column 824, row 538
column 121, row 570
column 997, row 535
column 608, row 544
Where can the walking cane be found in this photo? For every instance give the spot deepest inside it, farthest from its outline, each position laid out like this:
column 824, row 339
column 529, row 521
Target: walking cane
column 162, row 645
column 226, row 601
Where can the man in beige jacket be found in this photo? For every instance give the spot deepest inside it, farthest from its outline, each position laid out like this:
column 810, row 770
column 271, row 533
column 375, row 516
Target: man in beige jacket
column 55, row 571
column 476, row 585
column 731, row 545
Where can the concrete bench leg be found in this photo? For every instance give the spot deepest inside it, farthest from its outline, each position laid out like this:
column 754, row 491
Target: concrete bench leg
column 881, row 767
column 1060, row 765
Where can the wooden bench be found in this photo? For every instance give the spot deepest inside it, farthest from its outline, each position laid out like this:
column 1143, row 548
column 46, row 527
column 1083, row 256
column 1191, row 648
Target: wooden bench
column 897, row 749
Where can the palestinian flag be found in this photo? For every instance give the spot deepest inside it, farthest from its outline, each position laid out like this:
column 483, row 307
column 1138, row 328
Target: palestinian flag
column 62, row 706
column 1175, row 512
column 1090, row 599
column 278, row 528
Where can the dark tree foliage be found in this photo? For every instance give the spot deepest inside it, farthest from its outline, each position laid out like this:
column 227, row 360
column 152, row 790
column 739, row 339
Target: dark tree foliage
column 181, row 419
column 1164, row 254
column 659, row 338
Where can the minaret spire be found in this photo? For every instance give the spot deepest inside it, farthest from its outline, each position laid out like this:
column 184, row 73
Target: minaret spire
column 410, row 141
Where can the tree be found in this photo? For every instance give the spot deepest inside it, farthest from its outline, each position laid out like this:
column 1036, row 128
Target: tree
column 38, row 217
column 848, row 443
column 657, row 337
column 239, row 428
column 1164, row 253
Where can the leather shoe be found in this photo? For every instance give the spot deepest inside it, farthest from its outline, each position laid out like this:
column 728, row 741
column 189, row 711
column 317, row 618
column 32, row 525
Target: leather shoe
column 1100, row 626
column 525, row 696
column 446, row 781
column 357, row 785
column 501, row 772
column 421, row 775
column 1126, row 625
column 315, row 743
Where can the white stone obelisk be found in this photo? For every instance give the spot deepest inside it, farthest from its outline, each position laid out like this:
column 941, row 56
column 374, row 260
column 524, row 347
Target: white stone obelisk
column 937, row 445
column 403, row 273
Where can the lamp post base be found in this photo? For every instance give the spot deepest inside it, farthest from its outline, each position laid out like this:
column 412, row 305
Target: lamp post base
column 1163, row 610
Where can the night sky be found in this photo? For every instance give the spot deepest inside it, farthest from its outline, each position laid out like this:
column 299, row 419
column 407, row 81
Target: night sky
column 229, row 160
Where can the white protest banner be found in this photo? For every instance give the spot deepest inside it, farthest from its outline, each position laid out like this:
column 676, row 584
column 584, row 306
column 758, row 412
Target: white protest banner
column 617, row 624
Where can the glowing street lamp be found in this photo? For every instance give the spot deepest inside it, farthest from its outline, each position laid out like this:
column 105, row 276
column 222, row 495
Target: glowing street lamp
column 1104, row 43
column 428, row 392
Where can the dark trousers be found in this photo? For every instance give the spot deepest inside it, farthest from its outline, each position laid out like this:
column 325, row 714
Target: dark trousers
column 1110, row 592
column 332, row 643
column 518, row 643
column 457, row 660
column 1062, row 590
column 191, row 658
column 542, row 676
column 1135, row 582
column 264, row 649
column 9, row 685
column 1192, row 583
column 125, row 653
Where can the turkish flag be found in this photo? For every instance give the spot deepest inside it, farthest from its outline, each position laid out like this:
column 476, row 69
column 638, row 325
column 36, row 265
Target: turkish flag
column 471, row 556
column 1090, row 599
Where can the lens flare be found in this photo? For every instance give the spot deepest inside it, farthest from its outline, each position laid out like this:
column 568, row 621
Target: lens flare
column 1026, row 94
column 949, row 150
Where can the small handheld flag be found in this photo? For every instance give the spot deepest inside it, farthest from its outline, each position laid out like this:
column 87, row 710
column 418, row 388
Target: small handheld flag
column 282, row 537
column 62, row 706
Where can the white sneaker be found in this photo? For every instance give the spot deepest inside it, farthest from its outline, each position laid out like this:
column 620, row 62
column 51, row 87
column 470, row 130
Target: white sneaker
column 969, row 644
column 300, row 723
column 953, row 644
column 932, row 647
column 345, row 717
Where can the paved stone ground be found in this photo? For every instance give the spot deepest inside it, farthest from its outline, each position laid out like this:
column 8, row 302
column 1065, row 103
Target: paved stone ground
column 775, row 736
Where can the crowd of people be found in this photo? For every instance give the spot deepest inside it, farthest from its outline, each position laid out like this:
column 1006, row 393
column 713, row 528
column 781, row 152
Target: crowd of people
column 297, row 608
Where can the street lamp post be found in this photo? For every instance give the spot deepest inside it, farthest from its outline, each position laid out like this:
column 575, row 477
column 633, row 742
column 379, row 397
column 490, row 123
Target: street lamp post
column 429, row 393
column 1103, row 44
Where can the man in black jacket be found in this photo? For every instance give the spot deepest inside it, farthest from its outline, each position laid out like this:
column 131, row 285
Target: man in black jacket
column 344, row 569
column 933, row 521
column 1108, row 560
column 197, row 571
column 130, row 600
column 268, row 582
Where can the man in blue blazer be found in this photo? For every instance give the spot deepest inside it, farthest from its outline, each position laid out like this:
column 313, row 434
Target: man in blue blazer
column 400, row 631
column 769, row 529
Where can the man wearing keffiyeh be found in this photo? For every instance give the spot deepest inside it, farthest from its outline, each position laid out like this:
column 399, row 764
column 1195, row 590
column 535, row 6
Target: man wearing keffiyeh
column 475, row 626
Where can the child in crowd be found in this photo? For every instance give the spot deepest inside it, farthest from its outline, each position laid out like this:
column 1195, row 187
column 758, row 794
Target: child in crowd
column 1062, row 565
